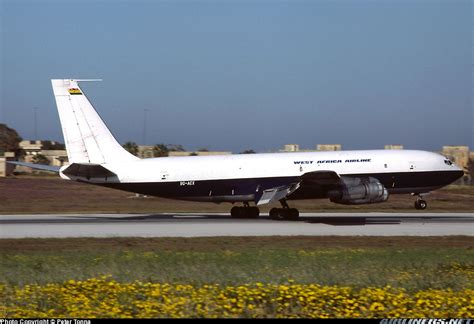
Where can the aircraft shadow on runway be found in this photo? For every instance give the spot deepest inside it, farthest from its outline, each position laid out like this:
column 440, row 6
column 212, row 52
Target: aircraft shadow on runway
column 345, row 220
column 335, row 221
column 348, row 221
column 328, row 220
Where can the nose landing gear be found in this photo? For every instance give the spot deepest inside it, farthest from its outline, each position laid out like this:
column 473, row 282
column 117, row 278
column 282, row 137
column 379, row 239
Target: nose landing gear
column 420, row 204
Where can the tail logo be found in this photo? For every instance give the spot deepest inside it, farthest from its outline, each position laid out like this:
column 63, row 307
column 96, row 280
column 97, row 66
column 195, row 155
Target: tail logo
column 75, row 91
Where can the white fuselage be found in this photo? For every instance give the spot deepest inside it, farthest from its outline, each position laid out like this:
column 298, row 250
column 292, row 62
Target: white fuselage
column 269, row 165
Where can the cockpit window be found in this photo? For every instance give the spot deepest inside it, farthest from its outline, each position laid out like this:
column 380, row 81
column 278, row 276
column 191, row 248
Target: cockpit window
column 448, row 162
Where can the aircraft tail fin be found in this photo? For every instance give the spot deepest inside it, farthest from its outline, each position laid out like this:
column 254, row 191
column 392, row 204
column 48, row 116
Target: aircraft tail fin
column 87, row 138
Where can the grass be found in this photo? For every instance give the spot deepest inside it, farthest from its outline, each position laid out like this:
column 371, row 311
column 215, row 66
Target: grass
column 413, row 264
column 301, row 277
column 385, row 276
column 53, row 195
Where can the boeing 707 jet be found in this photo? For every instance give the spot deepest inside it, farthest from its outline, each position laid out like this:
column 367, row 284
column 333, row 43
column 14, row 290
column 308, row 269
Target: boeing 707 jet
column 344, row 177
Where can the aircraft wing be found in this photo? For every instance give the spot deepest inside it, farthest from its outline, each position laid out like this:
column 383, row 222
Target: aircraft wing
column 42, row 167
column 311, row 179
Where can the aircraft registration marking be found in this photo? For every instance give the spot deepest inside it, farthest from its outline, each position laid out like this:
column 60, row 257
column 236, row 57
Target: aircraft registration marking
column 186, row 183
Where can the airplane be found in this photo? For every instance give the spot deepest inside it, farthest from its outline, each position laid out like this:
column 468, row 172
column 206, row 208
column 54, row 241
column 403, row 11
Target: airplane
column 343, row 177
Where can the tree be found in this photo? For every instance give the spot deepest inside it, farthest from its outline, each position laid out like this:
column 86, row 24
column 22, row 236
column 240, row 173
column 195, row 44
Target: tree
column 131, row 147
column 9, row 140
column 193, row 154
column 203, row 149
column 160, row 150
column 40, row 159
column 248, row 152
column 175, row 148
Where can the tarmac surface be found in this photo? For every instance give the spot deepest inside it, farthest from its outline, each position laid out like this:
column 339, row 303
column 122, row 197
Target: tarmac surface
column 217, row 224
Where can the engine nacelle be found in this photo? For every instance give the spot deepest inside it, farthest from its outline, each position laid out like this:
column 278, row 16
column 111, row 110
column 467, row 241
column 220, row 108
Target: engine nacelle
column 356, row 191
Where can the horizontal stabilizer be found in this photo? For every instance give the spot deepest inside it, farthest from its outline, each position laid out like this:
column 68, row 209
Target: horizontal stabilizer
column 88, row 171
column 42, row 167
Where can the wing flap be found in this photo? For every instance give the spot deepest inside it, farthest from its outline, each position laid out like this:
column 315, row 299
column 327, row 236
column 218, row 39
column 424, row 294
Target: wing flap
column 306, row 181
column 276, row 194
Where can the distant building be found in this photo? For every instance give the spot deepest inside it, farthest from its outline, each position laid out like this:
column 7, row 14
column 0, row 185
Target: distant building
column 471, row 160
column 459, row 154
column 53, row 151
column 319, row 147
column 5, row 168
column 145, row 151
column 198, row 153
column 32, row 147
column 55, row 157
column 394, row 147
column 329, row 147
column 291, row 148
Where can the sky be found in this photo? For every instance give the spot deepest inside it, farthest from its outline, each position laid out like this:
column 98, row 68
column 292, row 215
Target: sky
column 236, row 75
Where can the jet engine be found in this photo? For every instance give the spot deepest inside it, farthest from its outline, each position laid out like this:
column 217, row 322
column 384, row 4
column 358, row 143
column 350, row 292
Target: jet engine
column 356, row 191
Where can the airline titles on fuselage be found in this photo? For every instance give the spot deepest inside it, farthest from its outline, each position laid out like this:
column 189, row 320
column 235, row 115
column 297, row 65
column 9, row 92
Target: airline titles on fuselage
column 333, row 161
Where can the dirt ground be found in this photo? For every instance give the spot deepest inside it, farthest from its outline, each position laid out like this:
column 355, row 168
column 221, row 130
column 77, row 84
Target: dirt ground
column 12, row 246
column 40, row 194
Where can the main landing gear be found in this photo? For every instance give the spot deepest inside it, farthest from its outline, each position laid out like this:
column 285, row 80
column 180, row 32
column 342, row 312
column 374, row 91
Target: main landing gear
column 244, row 212
column 285, row 213
column 420, row 204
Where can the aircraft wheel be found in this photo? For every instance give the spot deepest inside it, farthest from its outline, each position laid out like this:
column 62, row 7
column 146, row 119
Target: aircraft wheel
column 273, row 213
column 421, row 204
column 244, row 212
column 417, row 205
column 277, row 214
column 292, row 214
column 253, row 212
column 235, row 212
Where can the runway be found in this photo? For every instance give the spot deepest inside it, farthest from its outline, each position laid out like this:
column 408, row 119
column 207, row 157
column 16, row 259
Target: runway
column 214, row 224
